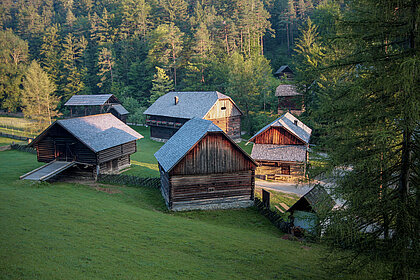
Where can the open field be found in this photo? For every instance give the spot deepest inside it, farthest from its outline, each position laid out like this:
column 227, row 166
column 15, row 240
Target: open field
column 16, row 126
column 7, row 141
column 63, row 231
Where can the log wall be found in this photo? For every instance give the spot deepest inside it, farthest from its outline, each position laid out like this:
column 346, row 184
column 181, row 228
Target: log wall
column 117, row 152
column 231, row 126
column 200, row 187
column 273, row 171
column 213, row 154
column 277, row 136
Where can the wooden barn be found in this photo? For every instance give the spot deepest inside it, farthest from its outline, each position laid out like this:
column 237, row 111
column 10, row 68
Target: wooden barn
column 281, row 149
column 85, row 105
column 284, row 72
column 202, row 168
column 289, row 100
column 97, row 144
column 174, row 109
column 305, row 212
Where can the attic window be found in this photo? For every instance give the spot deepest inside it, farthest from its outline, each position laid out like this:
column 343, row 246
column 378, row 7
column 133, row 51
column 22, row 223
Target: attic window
column 223, row 108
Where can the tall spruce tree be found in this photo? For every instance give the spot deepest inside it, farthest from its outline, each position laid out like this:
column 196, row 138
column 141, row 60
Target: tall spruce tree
column 371, row 115
column 162, row 84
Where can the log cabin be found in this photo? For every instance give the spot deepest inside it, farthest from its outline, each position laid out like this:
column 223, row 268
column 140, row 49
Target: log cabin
column 289, row 100
column 98, row 144
column 174, row 109
column 281, row 149
column 85, row 105
column 203, row 168
column 284, row 72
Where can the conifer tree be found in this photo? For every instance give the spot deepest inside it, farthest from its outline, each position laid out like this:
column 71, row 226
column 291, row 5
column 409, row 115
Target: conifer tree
column 162, row 84
column 38, row 100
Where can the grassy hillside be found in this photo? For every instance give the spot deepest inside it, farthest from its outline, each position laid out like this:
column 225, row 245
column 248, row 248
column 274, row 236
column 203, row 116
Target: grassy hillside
column 63, row 231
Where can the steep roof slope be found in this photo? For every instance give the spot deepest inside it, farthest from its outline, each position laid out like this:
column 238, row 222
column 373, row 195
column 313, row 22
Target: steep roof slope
column 97, row 132
column 190, row 104
column 286, row 90
column 184, row 140
column 287, row 121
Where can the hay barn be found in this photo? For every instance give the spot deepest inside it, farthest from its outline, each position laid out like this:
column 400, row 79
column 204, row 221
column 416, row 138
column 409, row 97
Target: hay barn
column 202, row 168
column 174, row 109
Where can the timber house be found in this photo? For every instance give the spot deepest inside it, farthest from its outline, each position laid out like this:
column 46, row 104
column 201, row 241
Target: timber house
column 97, row 144
column 284, row 72
column 202, row 168
column 85, row 105
column 289, row 100
column 281, row 149
column 174, row 109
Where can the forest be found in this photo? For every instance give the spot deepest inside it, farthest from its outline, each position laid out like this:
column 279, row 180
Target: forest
column 141, row 49
column 357, row 62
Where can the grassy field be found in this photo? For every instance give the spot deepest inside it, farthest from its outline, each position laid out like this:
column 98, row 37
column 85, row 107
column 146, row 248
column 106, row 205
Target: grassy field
column 7, row 141
column 63, row 231
column 16, row 126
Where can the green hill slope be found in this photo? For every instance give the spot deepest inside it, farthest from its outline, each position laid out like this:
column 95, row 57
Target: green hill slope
column 73, row 231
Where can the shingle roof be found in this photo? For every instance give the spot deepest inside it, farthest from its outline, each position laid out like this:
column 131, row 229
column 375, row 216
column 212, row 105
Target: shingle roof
column 286, row 90
column 290, row 153
column 190, row 104
column 282, row 69
column 287, row 121
column 92, row 100
column 98, row 132
column 317, row 198
column 182, row 141
column 120, row 109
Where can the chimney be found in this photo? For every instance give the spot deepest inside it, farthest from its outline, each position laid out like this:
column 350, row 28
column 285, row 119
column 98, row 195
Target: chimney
column 296, row 122
column 176, row 99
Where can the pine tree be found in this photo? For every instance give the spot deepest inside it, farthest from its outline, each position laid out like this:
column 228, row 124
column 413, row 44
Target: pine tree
column 50, row 52
column 106, row 62
column 38, row 100
column 162, row 84
column 371, row 113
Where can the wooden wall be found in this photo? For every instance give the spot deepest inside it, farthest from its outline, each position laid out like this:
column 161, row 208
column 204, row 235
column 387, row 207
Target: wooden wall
column 273, row 171
column 201, row 187
column 291, row 102
column 117, row 152
column 277, row 136
column 61, row 145
column 165, row 185
column 223, row 108
column 213, row 154
column 231, row 126
column 114, row 165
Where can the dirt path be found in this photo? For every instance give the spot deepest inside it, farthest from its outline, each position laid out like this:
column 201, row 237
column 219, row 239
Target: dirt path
column 299, row 189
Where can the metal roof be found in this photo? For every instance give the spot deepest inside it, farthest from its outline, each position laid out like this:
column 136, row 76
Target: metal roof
column 270, row 152
column 287, row 121
column 190, row 104
column 282, row 69
column 120, row 109
column 286, row 90
column 97, row 132
column 86, row 100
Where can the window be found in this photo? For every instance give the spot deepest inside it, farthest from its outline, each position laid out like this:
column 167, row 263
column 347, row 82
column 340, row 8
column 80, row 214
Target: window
column 223, row 108
column 285, row 169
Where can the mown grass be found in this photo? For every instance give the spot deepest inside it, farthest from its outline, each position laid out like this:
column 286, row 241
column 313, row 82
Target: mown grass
column 74, row 231
column 7, row 141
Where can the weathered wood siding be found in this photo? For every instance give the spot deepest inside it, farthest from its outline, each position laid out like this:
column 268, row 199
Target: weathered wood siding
column 231, row 126
column 165, row 185
column 61, row 145
column 164, row 127
column 223, row 185
column 223, row 108
column 114, row 165
column 117, row 152
column 276, row 171
column 213, row 154
column 277, row 136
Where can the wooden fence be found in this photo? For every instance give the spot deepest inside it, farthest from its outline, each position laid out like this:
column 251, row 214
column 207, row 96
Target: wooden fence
column 23, row 148
column 273, row 216
column 22, row 138
column 120, row 179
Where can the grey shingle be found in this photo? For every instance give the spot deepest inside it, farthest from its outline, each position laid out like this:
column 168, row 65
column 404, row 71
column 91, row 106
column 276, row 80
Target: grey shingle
column 100, row 132
column 291, row 153
column 92, row 100
column 120, row 109
column 283, row 68
column 286, row 90
column 190, row 104
column 317, row 198
column 182, row 141
column 287, row 121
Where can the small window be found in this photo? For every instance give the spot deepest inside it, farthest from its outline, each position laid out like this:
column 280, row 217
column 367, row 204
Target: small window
column 223, row 108
column 211, row 189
